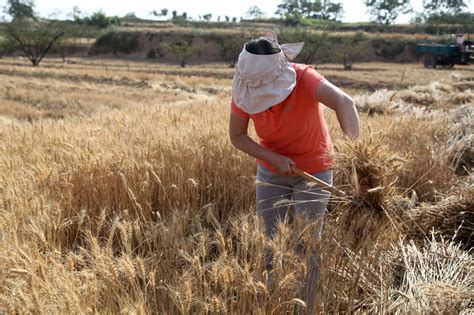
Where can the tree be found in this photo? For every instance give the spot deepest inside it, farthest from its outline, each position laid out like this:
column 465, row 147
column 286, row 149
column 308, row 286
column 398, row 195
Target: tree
column 179, row 18
column 76, row 13
column 254, row 12
column 442, row 7
column 207, row 17
column 331, row 11
column 293, row 10
column 387, row 11
column 163, row 13
column 18, row 9
column 182, row 51
column 35, row 37
column 130, row 15
column 289, row 9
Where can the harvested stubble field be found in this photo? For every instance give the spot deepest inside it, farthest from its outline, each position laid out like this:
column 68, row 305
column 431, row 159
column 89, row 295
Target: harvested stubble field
column 120, row 192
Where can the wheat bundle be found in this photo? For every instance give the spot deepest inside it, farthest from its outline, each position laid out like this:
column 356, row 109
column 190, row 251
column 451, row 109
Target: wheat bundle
column 453, row 218
column 380, row 102
column 460, row 144
column 370, row 168
column 461, row 154
column 463, row 83
column 437, row 278
column 420, row 98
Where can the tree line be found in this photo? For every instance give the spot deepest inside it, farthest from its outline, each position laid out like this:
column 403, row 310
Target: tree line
column 36, row 36
column 380, row 11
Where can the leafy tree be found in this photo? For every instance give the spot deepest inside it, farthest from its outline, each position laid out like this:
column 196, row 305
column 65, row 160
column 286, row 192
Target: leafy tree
column 293, row 10
column 307, row 8
column 387, row 11
column 331, row 11
column 35, row 37
column 289, row 9
column 76, row 13
column 438, row 7
column 19, row 9
column 255, row 12
column 207, row 17
column 179, row 18
column 163, row 12
column 181, row 50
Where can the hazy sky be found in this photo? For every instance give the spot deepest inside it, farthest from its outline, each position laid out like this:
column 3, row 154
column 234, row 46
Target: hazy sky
column 355, row 11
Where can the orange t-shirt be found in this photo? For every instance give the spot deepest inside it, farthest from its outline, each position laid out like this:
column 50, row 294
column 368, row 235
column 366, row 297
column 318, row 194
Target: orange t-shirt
column 296, row 127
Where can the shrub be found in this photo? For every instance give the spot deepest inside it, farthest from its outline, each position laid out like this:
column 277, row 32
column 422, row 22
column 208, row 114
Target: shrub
column 353, row 50
column 388, row 49
column 154, row 53
column 181, row 50
column 98, row 19
column 230, row 47
column 117, row 42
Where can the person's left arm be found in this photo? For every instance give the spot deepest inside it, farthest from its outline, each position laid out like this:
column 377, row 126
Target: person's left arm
column 334, row 98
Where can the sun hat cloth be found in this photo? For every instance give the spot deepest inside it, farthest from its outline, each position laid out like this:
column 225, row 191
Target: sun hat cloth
column 262, row 81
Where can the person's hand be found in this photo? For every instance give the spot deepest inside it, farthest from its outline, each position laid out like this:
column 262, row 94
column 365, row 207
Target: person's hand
column 282, row 164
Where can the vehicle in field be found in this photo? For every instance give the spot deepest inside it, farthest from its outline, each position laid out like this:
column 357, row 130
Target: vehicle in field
column 459, row 53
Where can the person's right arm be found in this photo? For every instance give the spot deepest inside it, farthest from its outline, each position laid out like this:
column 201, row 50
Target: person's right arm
column 238, row 127
column 346, row 111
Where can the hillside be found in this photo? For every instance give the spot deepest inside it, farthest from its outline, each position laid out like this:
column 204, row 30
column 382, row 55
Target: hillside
column 326, row 42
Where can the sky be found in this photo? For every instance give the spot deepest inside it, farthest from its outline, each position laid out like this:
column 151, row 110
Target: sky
column 355, row 10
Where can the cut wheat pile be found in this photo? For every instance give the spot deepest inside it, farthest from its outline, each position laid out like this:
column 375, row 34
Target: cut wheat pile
column 147, row 208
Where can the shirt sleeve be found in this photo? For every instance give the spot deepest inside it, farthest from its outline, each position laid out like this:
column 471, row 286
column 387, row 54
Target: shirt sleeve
column 234, row 109
column 311, row 81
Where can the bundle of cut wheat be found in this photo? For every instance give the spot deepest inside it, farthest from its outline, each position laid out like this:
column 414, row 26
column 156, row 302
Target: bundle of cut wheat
column 437, row 278
column 453, row 217
column 370, row 168
column 460, row 144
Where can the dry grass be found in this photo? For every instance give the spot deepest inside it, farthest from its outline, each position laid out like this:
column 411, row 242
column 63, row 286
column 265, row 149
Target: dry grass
column 120, row 192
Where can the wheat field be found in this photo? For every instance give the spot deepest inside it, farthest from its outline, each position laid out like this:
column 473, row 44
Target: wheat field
column 121, row 193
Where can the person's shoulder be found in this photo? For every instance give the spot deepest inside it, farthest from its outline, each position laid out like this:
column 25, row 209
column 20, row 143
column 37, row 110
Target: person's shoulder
column 304, row 70
column 307, row 73
column 301, row 67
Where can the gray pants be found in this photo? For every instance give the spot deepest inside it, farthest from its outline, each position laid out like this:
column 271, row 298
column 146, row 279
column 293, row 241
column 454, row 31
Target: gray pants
column 309, row 202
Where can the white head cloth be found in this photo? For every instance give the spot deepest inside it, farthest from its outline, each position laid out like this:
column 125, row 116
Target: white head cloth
column 262, row 81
